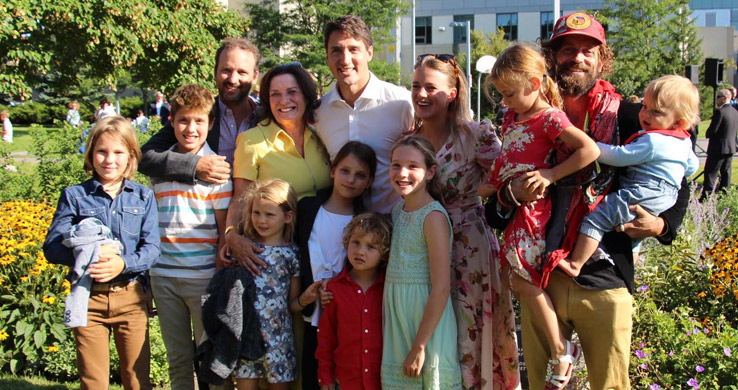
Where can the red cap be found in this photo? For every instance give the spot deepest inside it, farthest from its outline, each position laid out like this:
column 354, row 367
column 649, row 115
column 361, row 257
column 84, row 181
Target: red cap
column 578, row 23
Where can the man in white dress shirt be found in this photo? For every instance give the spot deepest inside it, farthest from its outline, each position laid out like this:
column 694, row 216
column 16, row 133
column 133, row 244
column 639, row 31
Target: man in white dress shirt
column 361, row 107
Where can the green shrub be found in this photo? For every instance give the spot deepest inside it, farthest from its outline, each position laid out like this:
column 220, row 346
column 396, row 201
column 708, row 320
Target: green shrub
column 60, row 163
column 46, row 114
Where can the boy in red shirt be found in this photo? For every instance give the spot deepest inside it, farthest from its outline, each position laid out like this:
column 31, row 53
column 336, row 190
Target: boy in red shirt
column 349, row 349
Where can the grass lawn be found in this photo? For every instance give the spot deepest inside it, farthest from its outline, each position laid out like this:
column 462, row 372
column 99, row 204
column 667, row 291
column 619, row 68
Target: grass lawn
column 9, row 382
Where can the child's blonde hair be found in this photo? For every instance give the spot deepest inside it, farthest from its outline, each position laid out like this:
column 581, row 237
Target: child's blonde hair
column 273, row 190
column 516, row 66
column 675, row 94
column 192, row 97
column 121, row 129
column 4, row 114
column 375, row 223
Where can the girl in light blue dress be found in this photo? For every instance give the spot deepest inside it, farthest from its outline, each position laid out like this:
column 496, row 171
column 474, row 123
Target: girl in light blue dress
column 419, row 349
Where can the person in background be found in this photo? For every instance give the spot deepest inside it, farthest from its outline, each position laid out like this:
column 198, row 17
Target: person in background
column 73, row 117
column 721, row 146
column 141, row 122
column 7, row 126
column 105, row 110
column 160, row 108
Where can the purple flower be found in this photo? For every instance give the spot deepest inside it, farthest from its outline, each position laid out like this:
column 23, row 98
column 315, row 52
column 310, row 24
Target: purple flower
column 727, row 351
column 693, row 383
column 643, row 366
column 695, row 331
column 643, row 288
column 654, row 386
column 641, row 354
column 707, row 331
column 641, row 345
column 670, row 354
column 689, row 333
column 699, row 368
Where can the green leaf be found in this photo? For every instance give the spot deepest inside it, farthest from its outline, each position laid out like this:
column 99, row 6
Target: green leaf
column 39, row 338
column 14, row 366
column 59, row 331
column 9, row 298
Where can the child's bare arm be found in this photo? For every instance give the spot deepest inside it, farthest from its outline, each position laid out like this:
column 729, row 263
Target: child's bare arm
column 220, row 221
column 437, row 233
column 310, row 295
column 585, row 152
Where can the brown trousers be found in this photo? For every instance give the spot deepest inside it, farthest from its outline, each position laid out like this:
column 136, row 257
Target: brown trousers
column 122, row 310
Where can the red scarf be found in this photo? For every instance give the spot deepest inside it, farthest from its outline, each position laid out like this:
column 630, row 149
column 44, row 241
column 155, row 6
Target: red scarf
column 602, row 112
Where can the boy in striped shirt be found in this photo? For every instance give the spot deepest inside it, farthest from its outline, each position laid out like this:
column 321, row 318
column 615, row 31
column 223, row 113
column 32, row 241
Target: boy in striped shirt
column 191, row 224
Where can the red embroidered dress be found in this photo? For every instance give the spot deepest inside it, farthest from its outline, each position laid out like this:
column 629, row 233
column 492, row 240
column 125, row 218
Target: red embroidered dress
column 527, row 146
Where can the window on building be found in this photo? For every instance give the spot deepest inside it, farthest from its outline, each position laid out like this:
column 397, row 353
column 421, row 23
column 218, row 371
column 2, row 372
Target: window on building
column 734, row 17
column 509, row 23
column 423, row 30
column 547, row 24
column 460, row 32
column 710, row 19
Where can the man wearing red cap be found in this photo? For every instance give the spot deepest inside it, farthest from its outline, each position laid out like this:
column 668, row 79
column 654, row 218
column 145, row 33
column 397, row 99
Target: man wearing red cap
column 597, row 304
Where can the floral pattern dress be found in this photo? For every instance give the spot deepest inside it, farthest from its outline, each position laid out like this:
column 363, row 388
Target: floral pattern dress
column 485, row 320
column 527, row 146
column 279, row 364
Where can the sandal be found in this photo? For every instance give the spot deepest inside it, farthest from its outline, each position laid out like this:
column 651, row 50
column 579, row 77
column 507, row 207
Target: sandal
column 558, row 382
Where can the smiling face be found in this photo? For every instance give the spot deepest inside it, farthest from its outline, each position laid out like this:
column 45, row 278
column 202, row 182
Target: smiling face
column 286, row 100
column 653, row 119
column 351, row 177
column 191, row 129
column 408, row 172
column 109, row 159
column 364, row 251
column 269, row 220
column 348, row 59
column 235, row 74
column 578, row 65
column 431, row 93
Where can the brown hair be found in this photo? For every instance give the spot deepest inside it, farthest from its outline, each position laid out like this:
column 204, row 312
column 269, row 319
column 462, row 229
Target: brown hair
column 121, row 129
column 517, row 65
column 238, row 43
column 425, row 148
column 192, row 97
column 375, row 223
column 350, row 25
column 274, row 190
column 305, row 82
column 678, row 95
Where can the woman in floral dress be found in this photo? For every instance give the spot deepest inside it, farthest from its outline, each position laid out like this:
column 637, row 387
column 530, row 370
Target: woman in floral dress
column 465, row 151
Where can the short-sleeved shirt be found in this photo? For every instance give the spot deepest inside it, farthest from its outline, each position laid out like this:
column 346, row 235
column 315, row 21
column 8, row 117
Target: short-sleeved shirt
column 268, row 152
column 187, row 224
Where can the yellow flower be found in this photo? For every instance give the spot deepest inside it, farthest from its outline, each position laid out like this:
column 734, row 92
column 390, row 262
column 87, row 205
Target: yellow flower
column 3, row 335
column 24, row 279
column 701, row 295
column 53, row 348
column 48, row 299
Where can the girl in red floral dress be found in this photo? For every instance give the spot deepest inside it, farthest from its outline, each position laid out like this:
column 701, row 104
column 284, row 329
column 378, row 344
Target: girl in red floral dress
column 533, row 126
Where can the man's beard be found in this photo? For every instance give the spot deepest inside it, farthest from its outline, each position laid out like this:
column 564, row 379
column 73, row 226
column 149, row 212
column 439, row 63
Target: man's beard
column 575, row 85
column 234, row 98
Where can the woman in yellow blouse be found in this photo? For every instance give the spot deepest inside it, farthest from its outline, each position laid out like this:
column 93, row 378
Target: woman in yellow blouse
column 283, row 145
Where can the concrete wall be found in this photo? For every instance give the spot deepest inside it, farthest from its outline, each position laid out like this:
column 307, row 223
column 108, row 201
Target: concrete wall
column 719, row 42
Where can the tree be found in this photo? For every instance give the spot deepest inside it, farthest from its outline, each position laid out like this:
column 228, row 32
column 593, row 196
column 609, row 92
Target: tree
column 294, row 31
column 159, row 42
column 650, row 39
column 490, row 44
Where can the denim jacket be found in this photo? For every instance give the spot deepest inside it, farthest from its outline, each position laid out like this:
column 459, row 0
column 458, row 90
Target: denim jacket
column 132, row 218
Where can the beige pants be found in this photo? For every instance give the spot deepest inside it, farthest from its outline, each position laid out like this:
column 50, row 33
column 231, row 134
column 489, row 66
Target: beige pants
column 603, row 321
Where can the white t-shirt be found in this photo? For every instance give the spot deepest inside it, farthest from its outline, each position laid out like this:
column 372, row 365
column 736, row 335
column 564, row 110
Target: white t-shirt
column 7, row 130
column 327, row 255
column 379, row 116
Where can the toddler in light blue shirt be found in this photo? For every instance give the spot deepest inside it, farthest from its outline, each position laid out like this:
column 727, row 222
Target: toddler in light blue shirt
column 656, row 159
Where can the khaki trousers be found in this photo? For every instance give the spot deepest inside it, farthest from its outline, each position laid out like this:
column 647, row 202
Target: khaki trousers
column 603, row 321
